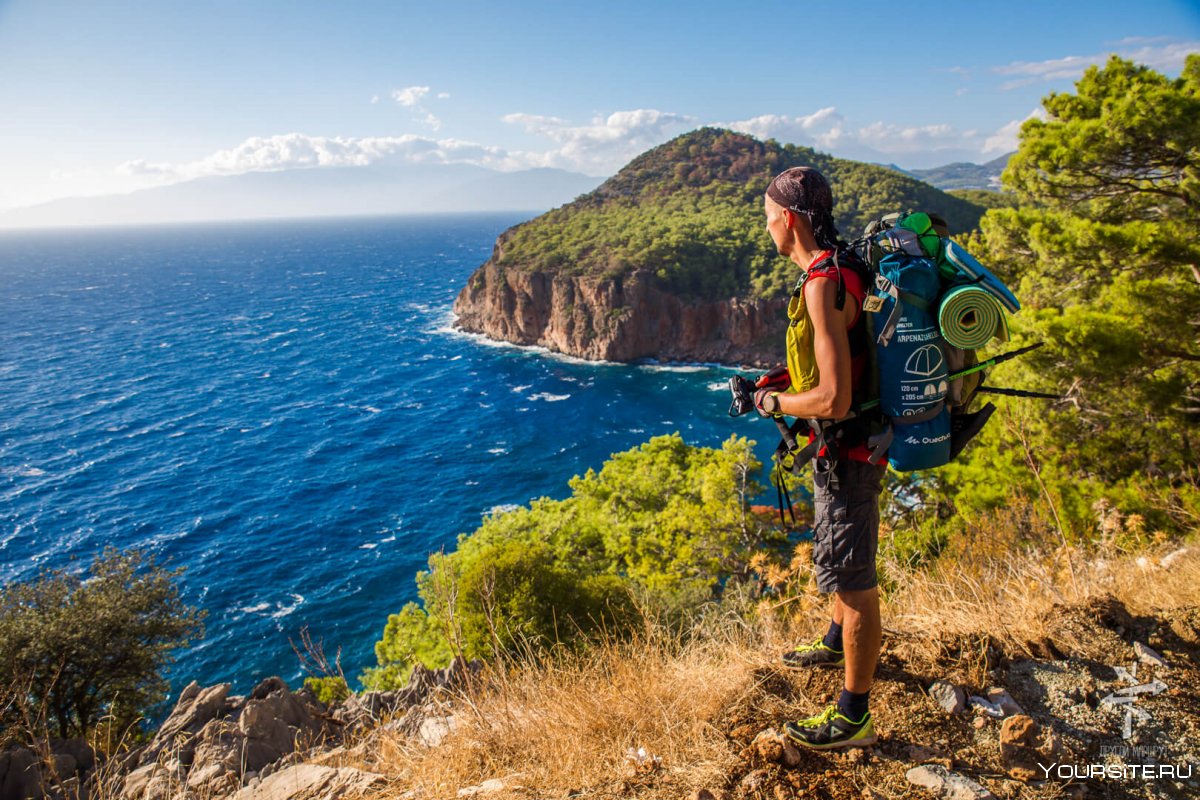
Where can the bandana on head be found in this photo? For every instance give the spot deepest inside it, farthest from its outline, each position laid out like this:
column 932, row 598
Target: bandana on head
column 802, row 190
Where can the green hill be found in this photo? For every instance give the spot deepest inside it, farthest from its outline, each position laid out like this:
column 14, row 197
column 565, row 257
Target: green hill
column 690, row 212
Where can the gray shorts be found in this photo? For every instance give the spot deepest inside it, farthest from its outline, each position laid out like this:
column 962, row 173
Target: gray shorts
column 846, row 526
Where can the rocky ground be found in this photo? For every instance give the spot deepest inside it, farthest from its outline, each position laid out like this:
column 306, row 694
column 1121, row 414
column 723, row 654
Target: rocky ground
column 1106, row 691
column 1062, row 716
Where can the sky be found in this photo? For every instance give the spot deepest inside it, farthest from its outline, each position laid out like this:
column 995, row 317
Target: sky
column 103, row 97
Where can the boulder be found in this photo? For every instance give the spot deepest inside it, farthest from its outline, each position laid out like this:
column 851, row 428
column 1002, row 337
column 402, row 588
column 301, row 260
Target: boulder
column 946, row 784
column 78, row 749
column 1024, row 745
column 310, row 782
column 951, row 698
column 434, row 729
column 19, row 774
column 217, row 757
column 155, row 782
column 195, row 708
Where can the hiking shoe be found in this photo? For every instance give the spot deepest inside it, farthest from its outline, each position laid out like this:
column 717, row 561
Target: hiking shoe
column 814, row 654
column 832, row 729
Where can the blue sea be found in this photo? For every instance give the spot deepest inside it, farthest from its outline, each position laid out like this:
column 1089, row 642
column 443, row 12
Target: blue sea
column 286, row 410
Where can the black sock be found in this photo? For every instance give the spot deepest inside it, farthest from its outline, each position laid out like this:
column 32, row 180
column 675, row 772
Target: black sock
column 833, row 637
column 853, row 704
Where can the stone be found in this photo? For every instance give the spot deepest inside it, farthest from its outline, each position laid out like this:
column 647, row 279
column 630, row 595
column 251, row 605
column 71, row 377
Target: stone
column 702, row 794
column 434, row 729
column 980, row 723
column 78, row 749
column 193, row 710
column 1172, row 558
column 1024, row 744
column 767, row 746
column 1148, row 656
column 985, row 706
column 19, row 775
column 217, row 756
column 164, row 782
column 1000, row 697
column 946, row 784
column 311, row 782
column 792, row 755
column 487, row 787
column 753, row 780
column 134, row 784
column 949, row 697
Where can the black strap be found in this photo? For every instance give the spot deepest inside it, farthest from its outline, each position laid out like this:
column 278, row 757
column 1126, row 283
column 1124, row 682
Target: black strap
column 1018, row 393
column 782, row 494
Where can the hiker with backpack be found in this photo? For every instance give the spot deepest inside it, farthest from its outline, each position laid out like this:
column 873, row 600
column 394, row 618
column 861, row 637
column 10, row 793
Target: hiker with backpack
column 828, row 369
column 863, row 399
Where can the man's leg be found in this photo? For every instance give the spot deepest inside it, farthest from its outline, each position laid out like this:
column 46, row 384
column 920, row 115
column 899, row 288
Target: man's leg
column 846, row 533
column 862, row 633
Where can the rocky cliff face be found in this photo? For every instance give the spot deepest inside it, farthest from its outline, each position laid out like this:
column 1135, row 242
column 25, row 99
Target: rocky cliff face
column 623, row 318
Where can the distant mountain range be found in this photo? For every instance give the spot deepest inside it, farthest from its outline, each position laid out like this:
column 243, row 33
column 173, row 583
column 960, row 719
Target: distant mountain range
column 961, row 174
column 376, row 189
column 321, row 192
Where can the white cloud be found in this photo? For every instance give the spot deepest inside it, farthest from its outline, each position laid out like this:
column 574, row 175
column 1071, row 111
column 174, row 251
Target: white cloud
column 828, row 129
column 897, row 139
column 1007, row 138
column 410, row 95
column 606, row 144
column 1167, row 57
column 374, row 99
column 298, row 151
column 824, row 128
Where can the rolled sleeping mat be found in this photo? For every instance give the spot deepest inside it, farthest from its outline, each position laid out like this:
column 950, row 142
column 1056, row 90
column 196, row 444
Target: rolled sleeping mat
column 970, row 316
column 966, row 265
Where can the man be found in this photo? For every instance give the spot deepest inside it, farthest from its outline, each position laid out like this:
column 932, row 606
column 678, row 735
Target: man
column 827, row 364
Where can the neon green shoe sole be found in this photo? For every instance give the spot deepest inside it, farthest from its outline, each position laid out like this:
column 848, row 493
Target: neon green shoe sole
column 831, row 730
column 814, row 654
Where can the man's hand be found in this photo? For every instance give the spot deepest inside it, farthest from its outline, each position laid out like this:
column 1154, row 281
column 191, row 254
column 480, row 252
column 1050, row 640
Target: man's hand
column 777, row 379
column 766, row 401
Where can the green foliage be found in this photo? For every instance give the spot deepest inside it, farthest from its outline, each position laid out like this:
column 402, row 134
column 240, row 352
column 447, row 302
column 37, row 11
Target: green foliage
column 1102, row 251
column 75, row 648
column 656, row 530
column 689, row 213
column 985, row 198
column 328, row 689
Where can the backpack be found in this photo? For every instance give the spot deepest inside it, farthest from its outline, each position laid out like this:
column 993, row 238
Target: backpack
column 927, row 287
column 930, row 304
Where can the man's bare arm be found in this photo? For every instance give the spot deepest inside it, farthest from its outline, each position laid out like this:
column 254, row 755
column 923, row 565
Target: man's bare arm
column 830, row 398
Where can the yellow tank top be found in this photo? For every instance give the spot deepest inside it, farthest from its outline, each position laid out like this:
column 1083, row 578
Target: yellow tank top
column 801, row 357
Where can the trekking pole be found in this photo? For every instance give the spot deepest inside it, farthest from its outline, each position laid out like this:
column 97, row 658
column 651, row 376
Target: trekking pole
column 982, row 365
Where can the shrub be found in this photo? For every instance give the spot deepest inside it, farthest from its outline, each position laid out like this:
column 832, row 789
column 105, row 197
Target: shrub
column 74, row 649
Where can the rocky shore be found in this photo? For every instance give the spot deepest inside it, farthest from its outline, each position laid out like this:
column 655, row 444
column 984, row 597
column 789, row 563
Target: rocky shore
column 622, row 318
column 267, row 745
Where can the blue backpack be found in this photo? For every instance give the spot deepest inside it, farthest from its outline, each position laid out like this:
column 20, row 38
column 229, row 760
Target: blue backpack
column 922, row 401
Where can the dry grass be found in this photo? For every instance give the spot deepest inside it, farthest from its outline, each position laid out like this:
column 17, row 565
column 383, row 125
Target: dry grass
column 550, row 728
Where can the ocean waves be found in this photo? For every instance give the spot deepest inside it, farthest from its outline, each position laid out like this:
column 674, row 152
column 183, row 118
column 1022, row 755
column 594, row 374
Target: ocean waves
column 285, row 411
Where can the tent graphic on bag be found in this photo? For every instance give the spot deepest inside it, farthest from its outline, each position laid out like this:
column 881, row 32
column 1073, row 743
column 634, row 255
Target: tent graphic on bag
column 925, row 362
